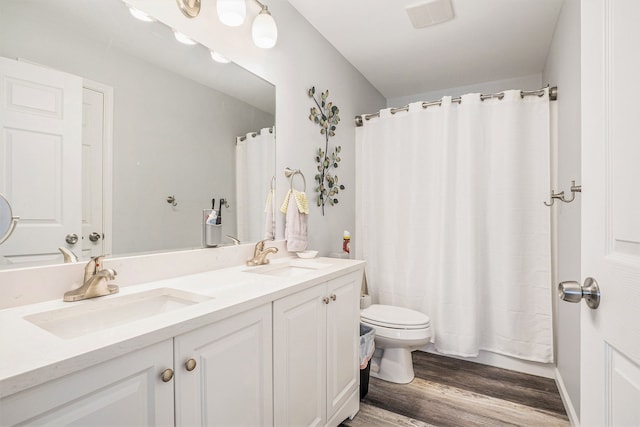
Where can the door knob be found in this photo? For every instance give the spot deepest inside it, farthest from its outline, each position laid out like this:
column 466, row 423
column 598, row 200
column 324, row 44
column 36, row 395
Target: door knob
column 573, row 292
column 94, row 237
column 71, row 239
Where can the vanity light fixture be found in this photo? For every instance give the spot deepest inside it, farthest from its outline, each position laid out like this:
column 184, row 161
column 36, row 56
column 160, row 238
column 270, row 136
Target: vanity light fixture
column 231, row 12
column 219, row 58
column 138, row 14
column 183, row 39
column 264, row 30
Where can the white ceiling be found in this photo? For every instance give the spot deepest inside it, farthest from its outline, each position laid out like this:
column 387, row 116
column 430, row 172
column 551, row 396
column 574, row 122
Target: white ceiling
column 486, row 40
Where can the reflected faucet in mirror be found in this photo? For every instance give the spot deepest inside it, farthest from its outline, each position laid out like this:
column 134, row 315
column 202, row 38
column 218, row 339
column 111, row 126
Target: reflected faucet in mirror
column 68, row 255
column 235, row 240
column 94, row 283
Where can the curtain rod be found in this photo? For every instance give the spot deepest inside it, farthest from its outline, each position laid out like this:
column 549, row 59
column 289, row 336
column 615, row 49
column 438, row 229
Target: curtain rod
column 553, row 95
column 254, row 134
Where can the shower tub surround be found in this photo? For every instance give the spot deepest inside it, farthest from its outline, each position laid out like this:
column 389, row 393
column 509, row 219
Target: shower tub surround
column 241, row 318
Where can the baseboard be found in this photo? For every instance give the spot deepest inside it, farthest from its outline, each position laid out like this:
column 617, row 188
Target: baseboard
column 546, row 370
column 566, row 400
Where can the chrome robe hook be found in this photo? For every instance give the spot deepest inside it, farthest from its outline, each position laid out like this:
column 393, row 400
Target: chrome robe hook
column 560, row 196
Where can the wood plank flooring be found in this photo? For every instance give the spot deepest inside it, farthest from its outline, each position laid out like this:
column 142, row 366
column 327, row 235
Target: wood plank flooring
column 451, row 392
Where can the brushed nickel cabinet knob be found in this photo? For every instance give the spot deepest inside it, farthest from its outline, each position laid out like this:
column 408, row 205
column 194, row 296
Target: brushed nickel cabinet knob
column 190, row 365
column 167, row 375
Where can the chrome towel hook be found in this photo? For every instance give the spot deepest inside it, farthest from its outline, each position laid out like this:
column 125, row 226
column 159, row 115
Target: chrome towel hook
column 560, row 196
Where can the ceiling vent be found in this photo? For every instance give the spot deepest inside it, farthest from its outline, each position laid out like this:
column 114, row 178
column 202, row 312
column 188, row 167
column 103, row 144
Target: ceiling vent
column 429, row 13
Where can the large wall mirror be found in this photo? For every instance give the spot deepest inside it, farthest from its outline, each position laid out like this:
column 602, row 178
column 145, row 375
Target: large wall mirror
column 115, row 136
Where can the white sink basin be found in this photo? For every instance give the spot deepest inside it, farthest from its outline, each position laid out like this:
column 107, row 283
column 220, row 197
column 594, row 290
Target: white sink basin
column 103, row 313
column 289, row 269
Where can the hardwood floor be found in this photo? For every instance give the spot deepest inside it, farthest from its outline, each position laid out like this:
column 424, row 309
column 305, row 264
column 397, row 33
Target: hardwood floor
column 451, row 392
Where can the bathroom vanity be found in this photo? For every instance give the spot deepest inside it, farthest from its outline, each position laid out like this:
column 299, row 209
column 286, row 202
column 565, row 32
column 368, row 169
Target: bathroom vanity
column 268, row 345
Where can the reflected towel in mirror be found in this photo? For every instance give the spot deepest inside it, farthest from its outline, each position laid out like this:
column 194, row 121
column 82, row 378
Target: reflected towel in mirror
column 269, row 218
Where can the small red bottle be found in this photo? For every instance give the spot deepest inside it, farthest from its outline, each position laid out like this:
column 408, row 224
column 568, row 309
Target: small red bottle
column 346, row 238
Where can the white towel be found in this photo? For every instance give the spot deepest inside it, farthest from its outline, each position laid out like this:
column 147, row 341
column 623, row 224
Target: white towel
column 269, row 219
column 295, row 227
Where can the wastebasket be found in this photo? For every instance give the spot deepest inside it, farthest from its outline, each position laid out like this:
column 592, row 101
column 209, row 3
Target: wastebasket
column 367, row 347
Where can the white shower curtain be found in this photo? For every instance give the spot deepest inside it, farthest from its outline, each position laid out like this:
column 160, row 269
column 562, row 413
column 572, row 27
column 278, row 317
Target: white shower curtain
column 255, row 163
column 451, row 222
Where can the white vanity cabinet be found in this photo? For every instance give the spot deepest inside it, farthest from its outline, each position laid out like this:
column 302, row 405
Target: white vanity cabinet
column 229, row 384
column 127, row 390
column 224, row 372
column 315, row 348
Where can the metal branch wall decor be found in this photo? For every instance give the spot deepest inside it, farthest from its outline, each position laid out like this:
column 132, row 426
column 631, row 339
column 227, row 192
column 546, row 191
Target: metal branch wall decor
column 325, row 114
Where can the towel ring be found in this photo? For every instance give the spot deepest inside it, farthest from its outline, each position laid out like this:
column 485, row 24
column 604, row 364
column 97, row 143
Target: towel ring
column 290, row 173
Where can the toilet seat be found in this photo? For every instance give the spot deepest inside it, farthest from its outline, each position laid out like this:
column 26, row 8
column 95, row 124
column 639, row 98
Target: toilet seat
column 392, row 317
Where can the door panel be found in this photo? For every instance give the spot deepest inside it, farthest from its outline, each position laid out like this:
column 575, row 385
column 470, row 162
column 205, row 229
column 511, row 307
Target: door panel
column 126, row 391
column 343, row 340
column 299, row 368
column 231, row 384
column 92, row 149
column 610, row 335
column 40, row 125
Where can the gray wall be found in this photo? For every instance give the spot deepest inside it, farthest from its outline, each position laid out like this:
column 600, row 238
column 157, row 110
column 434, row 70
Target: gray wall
column 563, row 69
column 302, row 58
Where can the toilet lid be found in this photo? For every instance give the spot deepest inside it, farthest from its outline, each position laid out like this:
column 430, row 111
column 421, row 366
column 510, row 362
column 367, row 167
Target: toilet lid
column 394, row 317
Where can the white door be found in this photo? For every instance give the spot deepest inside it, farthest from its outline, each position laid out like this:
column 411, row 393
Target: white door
column 40, row 126
column 610, row 335
column 92, row 148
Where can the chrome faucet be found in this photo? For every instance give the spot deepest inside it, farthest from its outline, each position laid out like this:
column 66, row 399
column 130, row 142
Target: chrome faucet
column 260, row 253
column 94, row 283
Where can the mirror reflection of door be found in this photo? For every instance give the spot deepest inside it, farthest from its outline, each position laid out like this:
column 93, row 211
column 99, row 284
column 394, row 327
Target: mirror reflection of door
column 40, row 121
column 96, row 131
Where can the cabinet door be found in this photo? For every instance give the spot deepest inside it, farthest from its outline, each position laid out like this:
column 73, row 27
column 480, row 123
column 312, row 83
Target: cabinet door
column 231, row 383
column 299, row 340
column 125, row 391
column 343, row 338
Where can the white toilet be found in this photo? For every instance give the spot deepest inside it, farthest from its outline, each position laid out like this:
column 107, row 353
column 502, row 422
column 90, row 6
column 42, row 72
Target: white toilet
column 399, row 331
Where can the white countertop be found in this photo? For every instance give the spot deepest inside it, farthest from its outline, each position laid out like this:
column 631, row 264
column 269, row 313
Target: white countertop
column 30, row 355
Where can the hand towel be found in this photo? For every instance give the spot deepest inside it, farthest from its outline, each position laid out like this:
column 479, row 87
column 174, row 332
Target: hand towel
column 269, row 219
column 301, row 201
column 296, row 209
